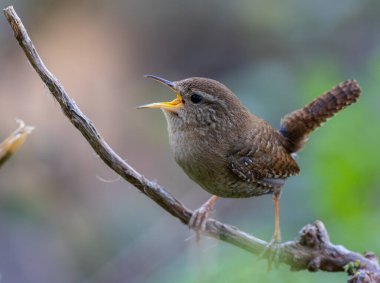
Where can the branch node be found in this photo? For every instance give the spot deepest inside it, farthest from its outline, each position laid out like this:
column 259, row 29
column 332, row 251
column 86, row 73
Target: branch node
column 314, row 235
column 314, row 264
column 372, row 257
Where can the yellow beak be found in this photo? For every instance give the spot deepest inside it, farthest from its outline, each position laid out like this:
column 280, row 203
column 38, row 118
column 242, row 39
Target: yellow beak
column 173, row 105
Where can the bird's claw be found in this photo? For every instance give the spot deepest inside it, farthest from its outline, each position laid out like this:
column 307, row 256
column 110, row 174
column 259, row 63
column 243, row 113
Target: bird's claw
column 272, row 253
column 198, row 221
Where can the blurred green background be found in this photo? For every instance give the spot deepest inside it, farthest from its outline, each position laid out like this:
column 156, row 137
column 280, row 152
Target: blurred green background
column 65, row 217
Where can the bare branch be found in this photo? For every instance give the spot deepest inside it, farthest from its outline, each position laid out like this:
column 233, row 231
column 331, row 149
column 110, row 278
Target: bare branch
column 312, row 251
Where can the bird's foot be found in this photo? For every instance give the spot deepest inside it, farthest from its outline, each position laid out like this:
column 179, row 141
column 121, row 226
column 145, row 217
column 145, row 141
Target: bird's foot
column 200, row 216
column 198, row 221
column 272, row 253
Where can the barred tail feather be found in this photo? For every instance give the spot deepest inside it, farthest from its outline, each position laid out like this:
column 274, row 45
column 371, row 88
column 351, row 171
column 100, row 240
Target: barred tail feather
column 297, row 125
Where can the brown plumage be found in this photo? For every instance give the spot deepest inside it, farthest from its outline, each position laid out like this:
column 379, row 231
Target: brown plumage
column 297, row 125
column 232, row 153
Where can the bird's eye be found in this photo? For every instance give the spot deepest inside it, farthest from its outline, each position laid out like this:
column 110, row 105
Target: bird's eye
column 196, row 98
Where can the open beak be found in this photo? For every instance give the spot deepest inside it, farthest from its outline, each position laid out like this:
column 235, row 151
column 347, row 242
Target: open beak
column 173, row 105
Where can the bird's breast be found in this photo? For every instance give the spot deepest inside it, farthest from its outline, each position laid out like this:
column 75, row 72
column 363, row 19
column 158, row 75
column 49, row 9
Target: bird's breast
column 199, row 156
column 195, row 153
column 204, row 161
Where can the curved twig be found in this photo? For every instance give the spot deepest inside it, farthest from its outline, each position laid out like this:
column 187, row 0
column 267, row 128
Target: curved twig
column 312, row 251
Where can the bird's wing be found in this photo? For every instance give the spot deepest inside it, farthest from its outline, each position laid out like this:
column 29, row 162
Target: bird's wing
column 268, row 166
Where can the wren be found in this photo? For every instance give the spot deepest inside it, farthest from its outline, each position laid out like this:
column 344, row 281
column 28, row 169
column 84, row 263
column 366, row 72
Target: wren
column 232, row 153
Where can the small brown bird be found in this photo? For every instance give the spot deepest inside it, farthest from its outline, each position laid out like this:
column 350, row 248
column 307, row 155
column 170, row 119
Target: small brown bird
column 232, row 153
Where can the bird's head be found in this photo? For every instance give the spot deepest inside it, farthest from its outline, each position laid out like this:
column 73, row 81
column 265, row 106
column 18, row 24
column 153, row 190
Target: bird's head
column 200, row 102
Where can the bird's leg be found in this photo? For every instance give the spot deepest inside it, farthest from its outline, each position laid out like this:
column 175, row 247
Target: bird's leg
column 277, row 231
column 272, row 250
column 199, row 218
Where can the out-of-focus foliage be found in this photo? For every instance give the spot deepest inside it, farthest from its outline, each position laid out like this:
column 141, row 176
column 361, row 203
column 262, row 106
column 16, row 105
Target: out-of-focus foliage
column 65, row 217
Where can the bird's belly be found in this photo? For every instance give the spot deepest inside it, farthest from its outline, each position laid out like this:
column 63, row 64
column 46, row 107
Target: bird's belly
column 236, row 189
column 210, row 172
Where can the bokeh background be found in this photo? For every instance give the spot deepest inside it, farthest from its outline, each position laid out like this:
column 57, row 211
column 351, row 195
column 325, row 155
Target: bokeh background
column 65, row 217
